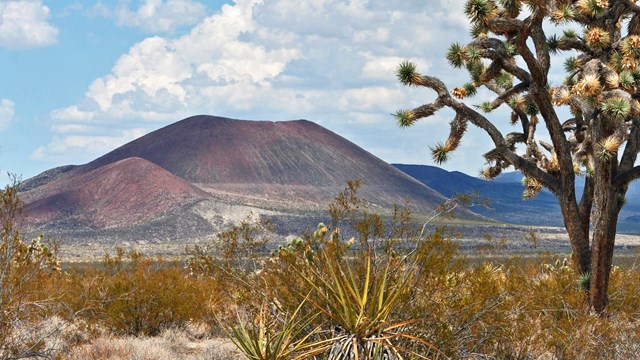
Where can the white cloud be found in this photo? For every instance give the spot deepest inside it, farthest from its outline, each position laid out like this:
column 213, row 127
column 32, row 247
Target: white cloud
column 62, row 146
column 160, row 77
column 157, row 16
column 7, row 112
column 332, row 61
column 23, row 24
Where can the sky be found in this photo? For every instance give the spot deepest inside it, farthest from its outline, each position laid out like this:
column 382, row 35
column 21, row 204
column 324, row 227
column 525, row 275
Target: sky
column 82, row 77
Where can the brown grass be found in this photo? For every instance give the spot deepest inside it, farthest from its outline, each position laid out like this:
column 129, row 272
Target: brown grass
column 170, row 345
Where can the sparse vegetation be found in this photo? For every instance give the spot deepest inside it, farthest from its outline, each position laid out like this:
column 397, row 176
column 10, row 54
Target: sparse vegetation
column 28, row 296
column 401, row 293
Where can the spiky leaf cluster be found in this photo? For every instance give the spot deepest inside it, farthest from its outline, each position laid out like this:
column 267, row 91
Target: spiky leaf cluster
column 455, row 55
column 472, row 54
column 486, row 107
column 475, row 70
column 478, row 30
column 405, row 118
column 630, row 52
column 597, row 38
column 439, row 153
column 459, row 92
column 480, row 11
column 616, row 108
column 631, row 46
column 571, row 64
column 510, row 49
column 562, row 14
column 561, row 96
column 553, row 43
column 592, row 8
column 504, row 80
column 511, row 8
column 607, row 149
column 531, row 108
column 470, row 89
column 491, row 172
column 531, row 187
column 588, row 86
column 569, row 33
column 615, row 61
column 407, row 73
column 516, row 102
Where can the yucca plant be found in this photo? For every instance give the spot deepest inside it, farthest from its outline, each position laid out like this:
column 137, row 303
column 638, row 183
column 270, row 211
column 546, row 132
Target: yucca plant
column 267, row 339
column 363, row 308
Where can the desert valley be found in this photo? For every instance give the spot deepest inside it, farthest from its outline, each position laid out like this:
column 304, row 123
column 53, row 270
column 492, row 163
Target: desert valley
column 184, row 183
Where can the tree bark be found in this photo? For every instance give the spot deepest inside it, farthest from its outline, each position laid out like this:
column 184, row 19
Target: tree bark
column 578, row 233
column 607, row 205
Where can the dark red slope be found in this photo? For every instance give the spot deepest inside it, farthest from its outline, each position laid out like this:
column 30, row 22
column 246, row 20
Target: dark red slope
column 150, row 183
column 119, row 194
column 244, row 156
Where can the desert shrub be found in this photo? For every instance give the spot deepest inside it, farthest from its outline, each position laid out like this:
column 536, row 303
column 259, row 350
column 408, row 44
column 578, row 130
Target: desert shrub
column 448, row 308
column 138, row 295
column 354, row 290
column 28, row 295
column 324, row 291
column 233, row 260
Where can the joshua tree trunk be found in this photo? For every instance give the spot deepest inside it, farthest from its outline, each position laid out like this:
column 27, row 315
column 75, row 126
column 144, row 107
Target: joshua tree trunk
column 608, row 202
column 578, row 231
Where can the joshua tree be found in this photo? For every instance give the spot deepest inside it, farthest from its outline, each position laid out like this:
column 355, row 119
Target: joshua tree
column 598, row 138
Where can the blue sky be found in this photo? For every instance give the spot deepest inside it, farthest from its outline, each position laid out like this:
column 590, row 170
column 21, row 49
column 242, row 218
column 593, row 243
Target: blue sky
column 84, row 77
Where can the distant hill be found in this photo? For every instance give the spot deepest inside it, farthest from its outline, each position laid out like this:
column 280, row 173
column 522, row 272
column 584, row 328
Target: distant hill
column 505, row 194
column 506, row 203
column 210, row 171
column 125, row 192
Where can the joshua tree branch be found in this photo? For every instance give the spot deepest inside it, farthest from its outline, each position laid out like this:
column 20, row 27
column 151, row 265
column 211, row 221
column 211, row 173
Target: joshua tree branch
column 573, row 44
column 631, row 148
column 631, row 5
column 540, row 40
column 626, row 177
column 586, row 202
column 461, row 109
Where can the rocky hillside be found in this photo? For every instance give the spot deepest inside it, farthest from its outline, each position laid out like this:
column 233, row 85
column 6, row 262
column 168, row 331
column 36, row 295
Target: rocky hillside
column 210, row 171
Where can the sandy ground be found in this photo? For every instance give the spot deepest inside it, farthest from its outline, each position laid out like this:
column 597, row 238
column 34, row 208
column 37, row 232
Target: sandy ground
column 472, row 238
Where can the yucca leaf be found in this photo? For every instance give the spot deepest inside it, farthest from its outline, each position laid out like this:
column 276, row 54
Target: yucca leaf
column 439, row 153
column 404, row 118
column 407, row 73
column 486, row 107
column 470, row 89
column 616, row 108
column 552, row 43
column 455, row 55
column 512, row 7
column 510, row 48
column 571, row 64
column 478, row 10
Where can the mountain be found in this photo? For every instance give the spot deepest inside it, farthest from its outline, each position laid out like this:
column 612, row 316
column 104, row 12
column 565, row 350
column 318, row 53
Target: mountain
column 128, row 191
column 505, row 196
column 204, row 171
column 273, row 164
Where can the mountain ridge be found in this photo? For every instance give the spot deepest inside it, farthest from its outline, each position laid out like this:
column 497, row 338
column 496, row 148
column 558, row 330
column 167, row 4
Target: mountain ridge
column 505, row 195
column 260, row 167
